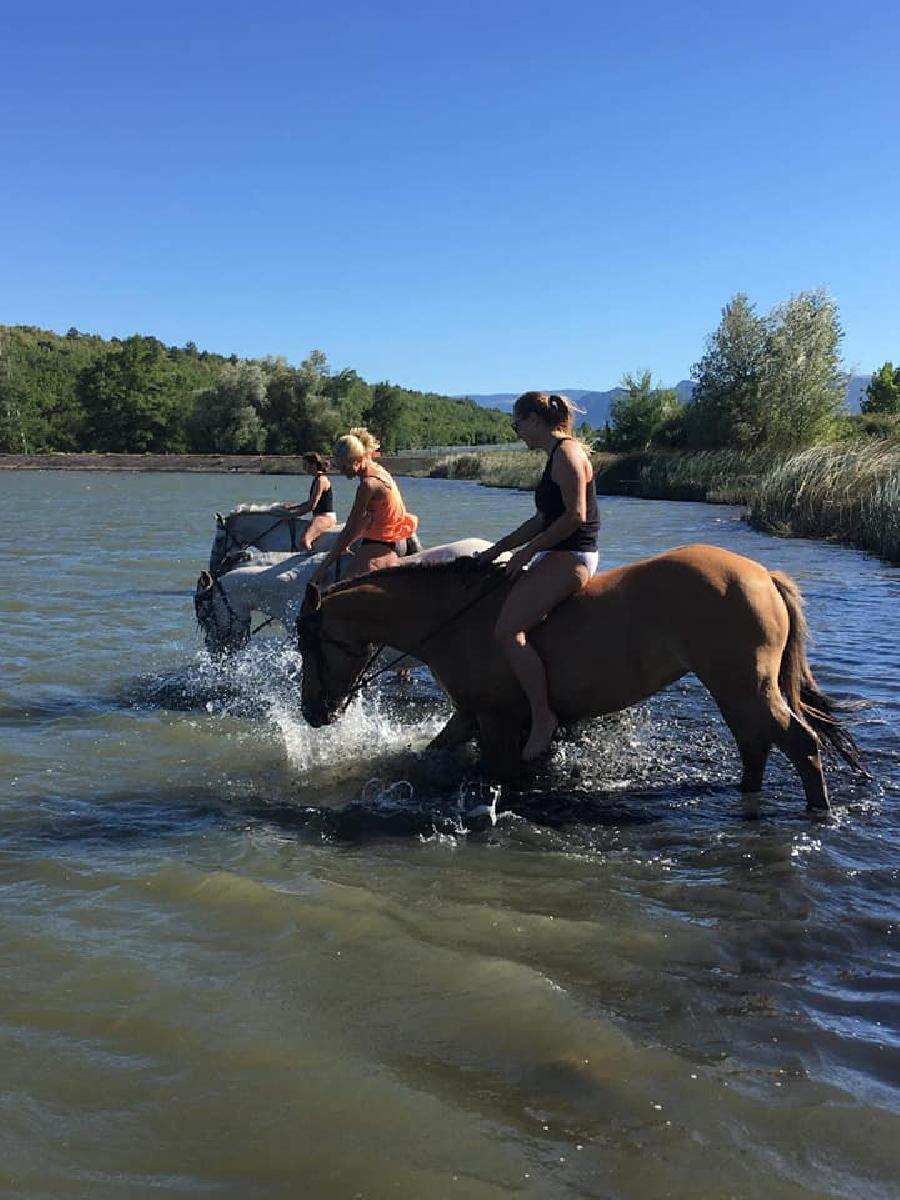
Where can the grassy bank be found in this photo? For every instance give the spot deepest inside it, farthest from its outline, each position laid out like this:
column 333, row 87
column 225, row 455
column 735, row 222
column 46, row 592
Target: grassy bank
column 847, row 493
column 850, row 494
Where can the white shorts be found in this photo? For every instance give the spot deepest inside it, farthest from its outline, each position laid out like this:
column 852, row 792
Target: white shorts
column 587, row 558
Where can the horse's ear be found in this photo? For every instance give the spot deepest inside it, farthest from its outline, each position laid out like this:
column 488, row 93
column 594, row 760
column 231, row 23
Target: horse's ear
column 220, row 520
column 312, row 601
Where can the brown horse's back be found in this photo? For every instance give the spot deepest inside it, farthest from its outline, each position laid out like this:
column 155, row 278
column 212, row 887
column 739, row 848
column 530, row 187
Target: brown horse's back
column 635, row 629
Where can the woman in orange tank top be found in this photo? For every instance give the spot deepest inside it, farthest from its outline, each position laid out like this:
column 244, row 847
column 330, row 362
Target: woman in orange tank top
column 378, row 517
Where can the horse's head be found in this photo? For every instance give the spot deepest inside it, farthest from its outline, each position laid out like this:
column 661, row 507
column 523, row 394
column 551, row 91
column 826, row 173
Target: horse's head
column 332, row 663
column 224, row 631
column 220, row 545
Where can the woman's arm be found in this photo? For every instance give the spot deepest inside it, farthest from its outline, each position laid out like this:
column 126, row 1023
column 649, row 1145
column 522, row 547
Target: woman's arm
column 527, row 530
column 354, row 527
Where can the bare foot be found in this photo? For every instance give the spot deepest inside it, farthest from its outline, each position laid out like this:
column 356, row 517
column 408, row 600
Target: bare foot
column 543, row 727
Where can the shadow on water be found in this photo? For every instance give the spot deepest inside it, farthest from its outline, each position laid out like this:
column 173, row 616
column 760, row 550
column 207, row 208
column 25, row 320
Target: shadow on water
column 421, row 797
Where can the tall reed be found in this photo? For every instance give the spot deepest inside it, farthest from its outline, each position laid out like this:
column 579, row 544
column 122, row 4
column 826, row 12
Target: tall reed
column 846, row 493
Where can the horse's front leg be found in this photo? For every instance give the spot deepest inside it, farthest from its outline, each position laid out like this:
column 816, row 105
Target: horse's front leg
column 461, row 728
column 501, row 740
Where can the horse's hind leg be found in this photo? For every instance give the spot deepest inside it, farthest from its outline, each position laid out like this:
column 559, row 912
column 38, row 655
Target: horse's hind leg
column 760, row 720
column 798, row 742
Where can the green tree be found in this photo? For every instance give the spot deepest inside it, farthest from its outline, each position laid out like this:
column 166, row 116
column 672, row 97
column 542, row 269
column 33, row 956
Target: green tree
column 883, row 392
column 299, row 415
column 802, row 382
column 392, row 418
column 726, row 407
column 227, row 416
column 638, row 410
column 131, row 399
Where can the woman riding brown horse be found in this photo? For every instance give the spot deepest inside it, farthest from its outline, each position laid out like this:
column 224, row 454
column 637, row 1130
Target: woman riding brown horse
column 558, row 545
column 628, row 633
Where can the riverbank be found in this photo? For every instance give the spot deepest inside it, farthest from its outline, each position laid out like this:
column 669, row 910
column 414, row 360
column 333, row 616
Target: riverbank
column 845, row 493
column 232, row 464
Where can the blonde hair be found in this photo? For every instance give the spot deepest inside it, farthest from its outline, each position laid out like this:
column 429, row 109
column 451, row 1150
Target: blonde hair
column 557, row 412
column 356, row 444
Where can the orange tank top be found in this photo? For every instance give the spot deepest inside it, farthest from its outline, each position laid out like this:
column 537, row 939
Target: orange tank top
column 390, row 520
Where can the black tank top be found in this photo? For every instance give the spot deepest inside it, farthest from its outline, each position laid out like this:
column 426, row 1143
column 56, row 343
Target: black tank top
column 549, row 502
column 324, row 504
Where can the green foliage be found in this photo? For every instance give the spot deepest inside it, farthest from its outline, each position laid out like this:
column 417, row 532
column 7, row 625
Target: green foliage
column 726, row 404
column 638, row 411
column 802, row 383
column 132, row 400
column 863, row 426
column 299, row 416
column 849, row 493
column 883, row 392
column 227, row 416
column 769, row 381
column 80, row 392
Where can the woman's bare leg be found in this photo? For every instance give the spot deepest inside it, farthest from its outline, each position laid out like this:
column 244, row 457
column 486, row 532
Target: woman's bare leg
column 536, row 592
column 315, row 528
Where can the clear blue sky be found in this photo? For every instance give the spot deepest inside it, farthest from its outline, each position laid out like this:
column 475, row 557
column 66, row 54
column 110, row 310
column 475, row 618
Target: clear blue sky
column 466, row 197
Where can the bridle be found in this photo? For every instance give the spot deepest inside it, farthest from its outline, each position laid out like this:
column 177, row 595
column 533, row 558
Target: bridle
column 313, row 637
column 209, row 615
column 311, row 632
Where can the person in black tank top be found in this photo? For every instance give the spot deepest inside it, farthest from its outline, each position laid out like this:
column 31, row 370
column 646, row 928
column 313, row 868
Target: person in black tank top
column 558, row 545
column 320, row 505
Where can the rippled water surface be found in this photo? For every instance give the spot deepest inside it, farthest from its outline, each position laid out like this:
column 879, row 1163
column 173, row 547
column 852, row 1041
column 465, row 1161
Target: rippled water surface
column 243, row 958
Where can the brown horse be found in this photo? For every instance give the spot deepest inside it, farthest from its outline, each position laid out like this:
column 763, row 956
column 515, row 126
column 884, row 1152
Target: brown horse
column 631, row 631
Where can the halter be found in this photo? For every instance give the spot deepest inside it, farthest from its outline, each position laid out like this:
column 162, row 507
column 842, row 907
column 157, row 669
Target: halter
column 211, row 616
column 309, row 630
column 365, row 677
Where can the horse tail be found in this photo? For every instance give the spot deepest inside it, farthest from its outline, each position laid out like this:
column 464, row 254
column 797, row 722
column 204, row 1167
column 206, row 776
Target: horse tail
column 798, row 684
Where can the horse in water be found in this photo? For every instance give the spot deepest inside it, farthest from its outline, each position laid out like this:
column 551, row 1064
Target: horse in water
column 272, row 527
column 629, row 633
column 274, row 584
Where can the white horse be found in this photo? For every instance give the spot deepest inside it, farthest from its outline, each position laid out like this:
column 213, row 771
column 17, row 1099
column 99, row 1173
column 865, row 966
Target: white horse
column 272, row 527
column 275, row 584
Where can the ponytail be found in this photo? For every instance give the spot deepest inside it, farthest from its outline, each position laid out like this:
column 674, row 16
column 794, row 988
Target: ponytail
column 556, row 411
column 356, row 444
column 318, row 462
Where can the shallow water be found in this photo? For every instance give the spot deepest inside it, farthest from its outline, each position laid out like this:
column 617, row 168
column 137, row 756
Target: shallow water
column 243, row 958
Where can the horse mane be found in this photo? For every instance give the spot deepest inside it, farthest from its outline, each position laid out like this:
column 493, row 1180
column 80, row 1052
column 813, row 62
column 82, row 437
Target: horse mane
column 243, row 509
column 466, row 567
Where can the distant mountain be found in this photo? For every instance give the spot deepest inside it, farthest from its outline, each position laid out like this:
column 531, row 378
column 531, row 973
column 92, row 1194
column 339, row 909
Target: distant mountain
column 596, row 405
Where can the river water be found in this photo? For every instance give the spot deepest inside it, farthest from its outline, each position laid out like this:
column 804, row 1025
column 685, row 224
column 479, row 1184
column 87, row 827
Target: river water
column 242, row 958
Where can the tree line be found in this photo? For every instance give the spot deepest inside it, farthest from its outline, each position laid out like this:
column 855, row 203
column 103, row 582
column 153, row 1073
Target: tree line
column 136, row 395
column 765, row 381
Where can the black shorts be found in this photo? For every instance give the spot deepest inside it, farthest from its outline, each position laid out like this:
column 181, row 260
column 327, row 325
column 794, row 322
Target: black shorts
column 379, row 542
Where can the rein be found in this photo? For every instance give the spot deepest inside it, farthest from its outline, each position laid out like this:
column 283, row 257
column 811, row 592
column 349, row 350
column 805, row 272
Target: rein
column 366, row 676
column 232, row 542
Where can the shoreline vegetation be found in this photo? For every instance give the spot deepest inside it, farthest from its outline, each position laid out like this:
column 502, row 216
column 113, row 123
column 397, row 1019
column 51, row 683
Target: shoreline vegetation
column 766, row 422
column 843, row 493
